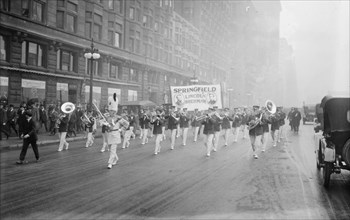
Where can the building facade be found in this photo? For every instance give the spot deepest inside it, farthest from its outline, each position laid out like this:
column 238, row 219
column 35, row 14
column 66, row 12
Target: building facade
column 145, row 46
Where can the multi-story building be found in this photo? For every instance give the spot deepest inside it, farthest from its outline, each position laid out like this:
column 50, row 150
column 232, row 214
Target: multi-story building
column 140, row 42
column 145, row 46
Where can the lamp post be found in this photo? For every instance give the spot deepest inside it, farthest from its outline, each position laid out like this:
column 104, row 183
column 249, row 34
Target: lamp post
column 91, row 54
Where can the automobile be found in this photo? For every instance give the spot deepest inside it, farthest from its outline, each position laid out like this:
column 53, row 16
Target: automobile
column 332, row 136
column 309, row 113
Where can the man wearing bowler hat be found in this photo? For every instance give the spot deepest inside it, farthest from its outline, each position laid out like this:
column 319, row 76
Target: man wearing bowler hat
column 29, row 137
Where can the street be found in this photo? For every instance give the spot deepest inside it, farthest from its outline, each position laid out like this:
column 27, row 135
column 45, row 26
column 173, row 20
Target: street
column 175, row 184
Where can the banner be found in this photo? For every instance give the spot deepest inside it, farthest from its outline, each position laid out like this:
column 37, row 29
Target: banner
column 196, row 96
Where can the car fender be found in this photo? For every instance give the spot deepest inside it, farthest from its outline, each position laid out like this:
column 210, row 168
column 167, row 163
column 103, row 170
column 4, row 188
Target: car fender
column 328, row 151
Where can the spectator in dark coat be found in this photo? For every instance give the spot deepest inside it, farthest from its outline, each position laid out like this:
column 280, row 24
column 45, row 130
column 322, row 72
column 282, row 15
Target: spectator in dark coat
column 3, row 121
column 21, row 118
column 11, row 119
column 43, row 117
column 29, row 137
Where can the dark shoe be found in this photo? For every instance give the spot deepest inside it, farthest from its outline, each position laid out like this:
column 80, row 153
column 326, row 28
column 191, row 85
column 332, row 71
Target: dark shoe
column 38, row 160
column 20, row 162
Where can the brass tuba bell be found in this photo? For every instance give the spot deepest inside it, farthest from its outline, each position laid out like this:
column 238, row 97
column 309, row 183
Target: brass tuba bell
column 270, row 106
column 67, row 107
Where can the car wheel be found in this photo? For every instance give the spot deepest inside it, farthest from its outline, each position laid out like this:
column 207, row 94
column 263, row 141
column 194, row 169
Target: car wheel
column 327, row 171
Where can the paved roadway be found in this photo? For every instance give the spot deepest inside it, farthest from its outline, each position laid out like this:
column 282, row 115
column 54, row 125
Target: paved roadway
column 180, row 184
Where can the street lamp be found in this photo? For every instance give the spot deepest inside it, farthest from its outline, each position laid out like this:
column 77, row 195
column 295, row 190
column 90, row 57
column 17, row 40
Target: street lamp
column 91, row 54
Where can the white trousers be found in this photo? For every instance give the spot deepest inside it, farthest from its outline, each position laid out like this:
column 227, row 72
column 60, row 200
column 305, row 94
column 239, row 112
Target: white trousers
column 216, row 140
column 196, row 129
column 184, row 135
column 158, row 140
column 274, row 135
column 113, row 157
column 235, row 132
column 173, row 137
column 144, row 136
column 243, row 129
column 105, row 141
column 226, row 135
column 178, row 131
column 127, row 136
column 90, row 140
column 264, row 139
column 63, row 142
column 163, row 133
column 209, row 143
column 280, row 134
column 253, row 139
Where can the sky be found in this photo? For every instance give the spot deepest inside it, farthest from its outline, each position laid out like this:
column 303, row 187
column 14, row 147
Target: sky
column 319, row 34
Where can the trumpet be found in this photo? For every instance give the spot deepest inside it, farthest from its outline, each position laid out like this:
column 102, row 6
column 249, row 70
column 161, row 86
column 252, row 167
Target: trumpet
column 174, row 116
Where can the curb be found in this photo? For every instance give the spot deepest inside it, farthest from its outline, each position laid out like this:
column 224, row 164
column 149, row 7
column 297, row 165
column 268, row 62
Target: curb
column 43, row 143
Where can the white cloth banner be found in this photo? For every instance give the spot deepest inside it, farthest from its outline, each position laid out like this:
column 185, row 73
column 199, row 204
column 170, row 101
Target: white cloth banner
column 199, row 97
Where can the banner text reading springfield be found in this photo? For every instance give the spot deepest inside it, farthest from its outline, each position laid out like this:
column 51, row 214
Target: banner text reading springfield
column 195, row 89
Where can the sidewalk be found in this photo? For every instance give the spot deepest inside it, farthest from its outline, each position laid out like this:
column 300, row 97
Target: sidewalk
column 43, row 140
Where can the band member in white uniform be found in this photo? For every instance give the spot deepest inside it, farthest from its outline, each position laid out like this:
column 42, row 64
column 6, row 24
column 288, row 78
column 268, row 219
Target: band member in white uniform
column 62, row 129
column 236, row 124
column 89, row 127
column 275, row 124
column 114, row 130
column 184, row 123
column 196, row 124
column 209, row 131
column 105, row 134
column 244, row 121
column 255, row 131
column 173, row 121
column 144, row 123
column 282, row 116
column 157, row 130
column 226, row 124
column 265, row 121
column 217, row 129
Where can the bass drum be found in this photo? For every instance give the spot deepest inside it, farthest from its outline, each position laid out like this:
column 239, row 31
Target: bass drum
column 346, row 153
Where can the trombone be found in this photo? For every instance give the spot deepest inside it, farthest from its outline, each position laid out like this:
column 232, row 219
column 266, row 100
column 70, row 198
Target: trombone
column 100, row 116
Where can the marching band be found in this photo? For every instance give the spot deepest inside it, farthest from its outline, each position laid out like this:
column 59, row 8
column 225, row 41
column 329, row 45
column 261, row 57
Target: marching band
column 117, row 129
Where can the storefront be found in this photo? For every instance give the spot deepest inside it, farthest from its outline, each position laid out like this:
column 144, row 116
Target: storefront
column 4, row 87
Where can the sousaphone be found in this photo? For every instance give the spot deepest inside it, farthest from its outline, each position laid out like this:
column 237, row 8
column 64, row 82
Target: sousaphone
column 67, row 107
column 270, row 107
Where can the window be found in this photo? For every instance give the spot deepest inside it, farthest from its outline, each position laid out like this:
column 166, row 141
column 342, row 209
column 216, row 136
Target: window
column 5, row 5
column 117, row 39
column 66, row 16
column 137, row 41
column 32, row 54
column 66, row 60
column 132, row 95
column 93, row 25
column 114, row 71
column 97, row 67
column 133, row 75
column 111, row 4
column 33, row 9
column 132, row 13
column 118, row 6
column 4, row 48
